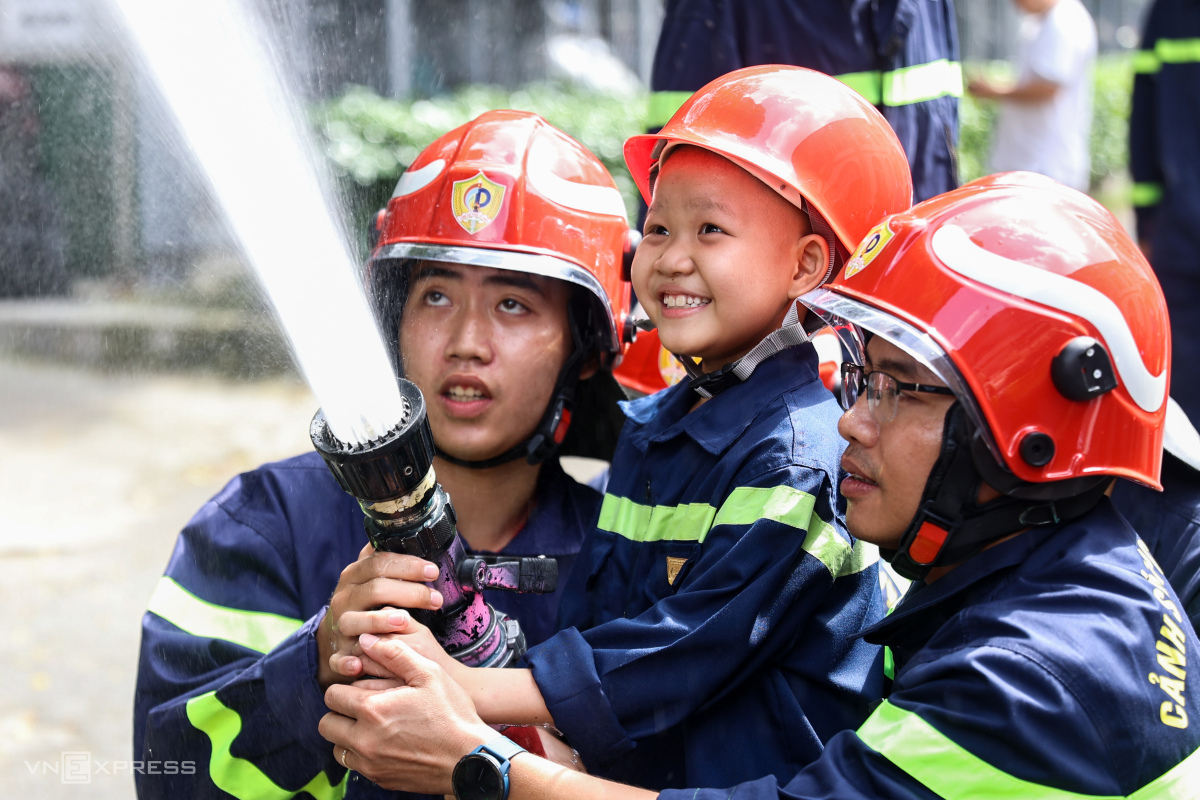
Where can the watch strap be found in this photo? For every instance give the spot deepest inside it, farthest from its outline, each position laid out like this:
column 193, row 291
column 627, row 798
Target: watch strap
column 502, row 748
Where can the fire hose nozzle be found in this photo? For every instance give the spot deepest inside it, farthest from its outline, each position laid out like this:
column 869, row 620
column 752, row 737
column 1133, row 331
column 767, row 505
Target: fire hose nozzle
column 538, row 574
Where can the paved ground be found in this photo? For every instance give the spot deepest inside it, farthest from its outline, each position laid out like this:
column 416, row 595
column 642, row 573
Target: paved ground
column 97, row 475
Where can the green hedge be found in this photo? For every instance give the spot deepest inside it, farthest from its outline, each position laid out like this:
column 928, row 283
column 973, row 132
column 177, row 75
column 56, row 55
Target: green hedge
column 371, row 139
column 1110, row 122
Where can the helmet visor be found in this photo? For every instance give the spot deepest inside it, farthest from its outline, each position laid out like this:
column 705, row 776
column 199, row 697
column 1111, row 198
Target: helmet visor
column 531, row 263
column 847, row 316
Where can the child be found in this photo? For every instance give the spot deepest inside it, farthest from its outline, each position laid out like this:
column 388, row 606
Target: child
column 719, row 591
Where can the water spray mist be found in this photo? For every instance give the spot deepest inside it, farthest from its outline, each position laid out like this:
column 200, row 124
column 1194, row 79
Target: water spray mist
column 408, row 512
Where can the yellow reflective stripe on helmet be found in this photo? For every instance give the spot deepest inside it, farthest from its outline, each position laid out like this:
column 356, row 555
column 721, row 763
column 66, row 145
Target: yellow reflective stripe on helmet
column 1177, row 51
column 916, row 84
column 745, row 505
column 1147, row 194
column 256, row 630
column 953, row 773
column 240, row 777
column 1145, row 62
column 868, row 84
column 663, row 106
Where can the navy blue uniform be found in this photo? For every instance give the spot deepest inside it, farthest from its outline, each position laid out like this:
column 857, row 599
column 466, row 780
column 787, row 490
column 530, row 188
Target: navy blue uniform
column 228, row 667
column 1169, row 522
column 1054, row 663
column 902, row 55
column 1164, row 157
column 708, row 627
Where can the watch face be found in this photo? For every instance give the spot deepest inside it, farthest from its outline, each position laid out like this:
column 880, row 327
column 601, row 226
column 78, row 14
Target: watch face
column 477, row 777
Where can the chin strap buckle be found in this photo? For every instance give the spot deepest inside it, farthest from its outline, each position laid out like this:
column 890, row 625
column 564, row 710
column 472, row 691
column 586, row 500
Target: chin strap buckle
column 709, row 384
column 1046, row 514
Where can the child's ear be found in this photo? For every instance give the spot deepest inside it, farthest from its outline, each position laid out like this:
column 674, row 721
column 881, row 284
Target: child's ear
column 812, row 261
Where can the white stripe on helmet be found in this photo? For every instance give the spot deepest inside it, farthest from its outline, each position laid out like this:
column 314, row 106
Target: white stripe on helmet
column 415, row 180
column 569, row 194
column 955, row 249
column 1180, row 438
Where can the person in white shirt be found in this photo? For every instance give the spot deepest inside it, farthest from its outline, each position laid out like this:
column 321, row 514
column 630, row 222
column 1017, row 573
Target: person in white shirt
column 1046, row 116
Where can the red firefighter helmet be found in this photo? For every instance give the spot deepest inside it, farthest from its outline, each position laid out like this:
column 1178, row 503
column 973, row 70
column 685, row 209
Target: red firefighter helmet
column 509, row 191
column 1032, row 304
column 806, row 135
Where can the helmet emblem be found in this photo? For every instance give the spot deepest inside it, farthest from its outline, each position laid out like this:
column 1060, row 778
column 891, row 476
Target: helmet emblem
column 872, row 245
column 476, row 202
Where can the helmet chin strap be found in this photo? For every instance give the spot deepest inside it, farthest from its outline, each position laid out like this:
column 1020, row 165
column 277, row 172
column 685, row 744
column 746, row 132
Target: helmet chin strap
column 710, row 384
column 951, row 525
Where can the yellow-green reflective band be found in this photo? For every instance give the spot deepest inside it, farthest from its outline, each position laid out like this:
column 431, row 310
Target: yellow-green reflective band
column 923, row 82
column 748, row 504
column 1177, row 51
column 256, row 630
column 685, row 523
column 663, row 106
column 745, row 505
column 951, row 772
column 237, row 776
column 889, row 663
column 868, row 84
column 1147, row 194
column 1146, row 63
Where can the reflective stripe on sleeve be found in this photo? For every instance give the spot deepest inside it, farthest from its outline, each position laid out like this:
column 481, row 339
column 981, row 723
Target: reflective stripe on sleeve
column 1166, row 51
column 908, row 85
column 868, row 84
column 1177, row 51
column 1147, row 194
column 916, row 84
column 951, row 772
column 663, row 106
column 256, row 630
column 240, row 777
column 691, row 522
column 684, row 523
column 1145, row 62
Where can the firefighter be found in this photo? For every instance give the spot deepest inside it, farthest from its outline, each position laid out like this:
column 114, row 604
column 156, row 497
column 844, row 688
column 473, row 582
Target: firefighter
column 1041, row 651
column 502, row 309
column 902, row 55
column 1164, row 158
column 720, row 586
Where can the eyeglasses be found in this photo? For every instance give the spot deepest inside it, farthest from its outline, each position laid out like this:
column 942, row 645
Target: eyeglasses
column 882, row 390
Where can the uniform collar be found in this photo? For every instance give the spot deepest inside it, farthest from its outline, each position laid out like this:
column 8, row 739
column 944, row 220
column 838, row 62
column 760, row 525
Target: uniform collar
column 719, row 422
column 926, row 607
column 559, row 518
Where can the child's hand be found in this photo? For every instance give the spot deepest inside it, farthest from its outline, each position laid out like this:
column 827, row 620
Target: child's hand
column 366, row 600
column 419, row 638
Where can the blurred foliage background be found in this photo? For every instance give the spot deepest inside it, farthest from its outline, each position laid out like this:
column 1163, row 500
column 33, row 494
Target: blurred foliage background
column 1110, row 128
column 371, row 139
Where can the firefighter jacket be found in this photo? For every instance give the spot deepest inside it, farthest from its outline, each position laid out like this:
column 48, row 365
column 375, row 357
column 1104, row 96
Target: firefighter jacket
column 902, row 55
column 1164, row 158
column 1169, row 523
column 708, row 627
column 1054, row 666
column 227, row 675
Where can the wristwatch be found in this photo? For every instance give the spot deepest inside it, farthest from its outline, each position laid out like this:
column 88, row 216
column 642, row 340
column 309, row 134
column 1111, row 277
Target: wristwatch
column 482, row 774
